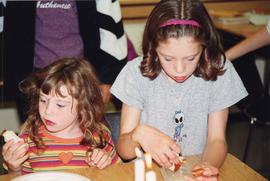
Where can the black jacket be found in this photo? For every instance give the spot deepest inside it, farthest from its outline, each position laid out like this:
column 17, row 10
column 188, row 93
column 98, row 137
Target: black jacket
column 19, row 33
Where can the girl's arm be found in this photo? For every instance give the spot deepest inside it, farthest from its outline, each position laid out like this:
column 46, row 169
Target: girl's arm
column 258, row 40
column 130, row 118
column 133, row 134
column 216, row 147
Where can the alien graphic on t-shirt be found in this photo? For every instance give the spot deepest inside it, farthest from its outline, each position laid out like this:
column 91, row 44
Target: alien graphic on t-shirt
column 179, row 120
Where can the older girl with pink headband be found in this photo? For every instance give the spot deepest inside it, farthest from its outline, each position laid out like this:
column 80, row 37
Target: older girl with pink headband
column 176, row 97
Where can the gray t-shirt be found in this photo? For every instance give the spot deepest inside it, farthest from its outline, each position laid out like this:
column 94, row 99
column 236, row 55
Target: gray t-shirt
column 180, row 110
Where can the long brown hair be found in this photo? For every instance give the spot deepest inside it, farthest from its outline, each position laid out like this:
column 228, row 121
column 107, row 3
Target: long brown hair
column 80, row 79
column 211, row 61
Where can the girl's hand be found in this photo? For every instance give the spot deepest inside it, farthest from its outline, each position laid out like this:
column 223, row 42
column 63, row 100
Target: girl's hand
column 161, row 147
column 15, row 154
column 99, row 158
column 205, row 172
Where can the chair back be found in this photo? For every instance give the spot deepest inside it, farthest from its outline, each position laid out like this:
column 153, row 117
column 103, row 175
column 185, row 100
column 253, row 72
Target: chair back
column 113, row 121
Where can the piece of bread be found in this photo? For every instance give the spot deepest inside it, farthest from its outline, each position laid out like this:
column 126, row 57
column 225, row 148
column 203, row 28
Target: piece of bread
column 9, row 135
column 177, row 166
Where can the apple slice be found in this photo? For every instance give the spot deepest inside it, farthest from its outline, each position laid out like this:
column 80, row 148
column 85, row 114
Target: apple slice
column 198, row 172
column 177, row 166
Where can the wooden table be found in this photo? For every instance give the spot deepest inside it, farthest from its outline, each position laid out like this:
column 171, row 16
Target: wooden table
column 245, row 30
column 232, row 170
column 138, row 10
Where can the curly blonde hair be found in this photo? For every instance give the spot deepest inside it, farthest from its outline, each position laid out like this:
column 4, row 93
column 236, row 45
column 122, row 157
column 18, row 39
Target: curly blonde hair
column 80, row 79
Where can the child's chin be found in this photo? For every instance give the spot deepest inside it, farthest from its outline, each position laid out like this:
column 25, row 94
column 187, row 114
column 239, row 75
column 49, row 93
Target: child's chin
column 51, row 130
column 179, row 81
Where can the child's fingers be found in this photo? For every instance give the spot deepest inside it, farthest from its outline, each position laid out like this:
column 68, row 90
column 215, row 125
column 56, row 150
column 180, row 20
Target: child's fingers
column 172, row 156
column 7, row 146
column 91, row 164
column 89, row 161
column 104, row 161
column 24, row 146
column 156, row 158
column 8, row 150
column 210, row 171
column 108, row 162
column 105, row 164
column 21, row 151
column 164, row 160
column 98, row 155
column 94, row 157
column 15, row 166
column 94, row 154
column 22, row 159
column 16, row 147
column 205, row 172
column 13, row 152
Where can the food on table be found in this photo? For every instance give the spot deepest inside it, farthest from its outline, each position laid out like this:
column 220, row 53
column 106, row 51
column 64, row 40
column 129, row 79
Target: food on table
column 198, row 172
column 177, row 166
column 9, row 135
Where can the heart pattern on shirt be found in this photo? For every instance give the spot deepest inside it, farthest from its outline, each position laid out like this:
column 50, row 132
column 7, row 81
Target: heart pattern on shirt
column 65, row 157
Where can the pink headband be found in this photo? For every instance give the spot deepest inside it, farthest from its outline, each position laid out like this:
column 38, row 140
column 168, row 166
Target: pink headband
column 180, row 22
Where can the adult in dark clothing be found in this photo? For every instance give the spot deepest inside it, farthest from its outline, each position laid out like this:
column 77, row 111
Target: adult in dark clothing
column 242, row 52
column 38, row 32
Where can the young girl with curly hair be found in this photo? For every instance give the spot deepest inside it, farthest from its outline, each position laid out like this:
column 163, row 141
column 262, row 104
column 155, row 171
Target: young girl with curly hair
column 64, row 128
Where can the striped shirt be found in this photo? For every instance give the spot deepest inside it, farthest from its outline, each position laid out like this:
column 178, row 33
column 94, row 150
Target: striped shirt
column 60, row 153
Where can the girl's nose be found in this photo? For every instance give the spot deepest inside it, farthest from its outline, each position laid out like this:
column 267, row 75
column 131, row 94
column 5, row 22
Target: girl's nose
column 179, row 66
column 49, row 108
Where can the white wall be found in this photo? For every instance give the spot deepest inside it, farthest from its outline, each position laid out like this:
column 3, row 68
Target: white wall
column 9, row 119
column 135, row 32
